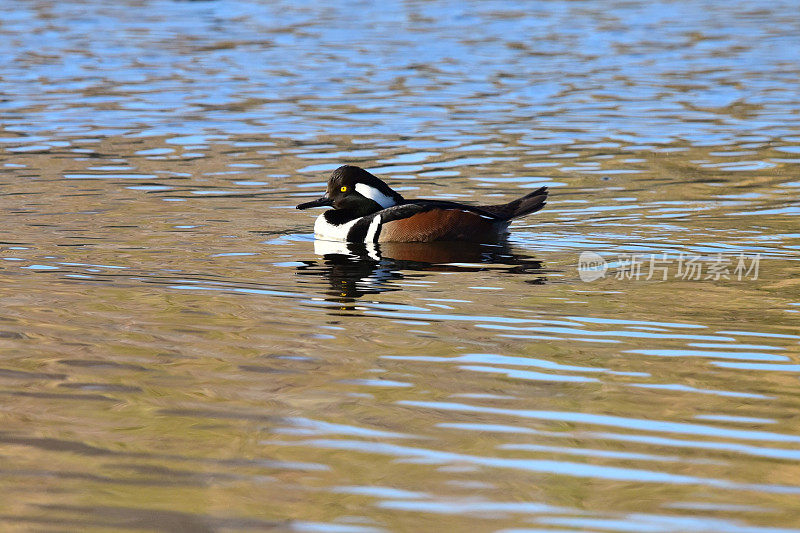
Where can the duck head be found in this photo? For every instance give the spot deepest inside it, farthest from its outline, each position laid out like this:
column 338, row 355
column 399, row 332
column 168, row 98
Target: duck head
column 354, row 189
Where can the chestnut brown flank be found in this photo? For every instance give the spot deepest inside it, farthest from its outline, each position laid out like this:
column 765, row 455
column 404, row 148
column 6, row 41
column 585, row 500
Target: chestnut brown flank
column 442, row 225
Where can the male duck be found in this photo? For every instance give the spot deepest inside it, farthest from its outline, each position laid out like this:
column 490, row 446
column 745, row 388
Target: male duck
column 365, row 209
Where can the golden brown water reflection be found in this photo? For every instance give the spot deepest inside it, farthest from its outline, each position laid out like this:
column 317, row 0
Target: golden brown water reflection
column 179, row 354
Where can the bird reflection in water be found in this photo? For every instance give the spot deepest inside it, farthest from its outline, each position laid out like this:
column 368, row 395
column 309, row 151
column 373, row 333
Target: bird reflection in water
column 354, row 270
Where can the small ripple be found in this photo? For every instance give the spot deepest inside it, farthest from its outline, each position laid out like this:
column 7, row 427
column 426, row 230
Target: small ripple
column 745, row 449
column 328, row 527
column 736, row 419
column 110, row 176
column 605, row 454
column 751, row 356
column 740, row 166
column 636, row 322
column 40, row 267
column 686, row 388
column 529, row 375
column 657, row 524
column 377, row 382
column 564, row 468
column 612, row 333
column 762, row 334
column 737, row 346
column 610, row 420
column 757, row 366
column 472, row 507
column 381, row 492
column 268, row 292
column 155, row 151
column 308, row 426
column 496, row 359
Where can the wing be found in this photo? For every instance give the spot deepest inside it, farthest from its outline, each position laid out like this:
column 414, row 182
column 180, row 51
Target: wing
column 433, row 220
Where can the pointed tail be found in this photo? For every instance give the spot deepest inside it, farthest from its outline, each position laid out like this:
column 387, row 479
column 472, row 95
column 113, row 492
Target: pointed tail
column 530, row 203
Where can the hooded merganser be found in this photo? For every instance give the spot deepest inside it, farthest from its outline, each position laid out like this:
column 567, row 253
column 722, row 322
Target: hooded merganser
column 365, row 209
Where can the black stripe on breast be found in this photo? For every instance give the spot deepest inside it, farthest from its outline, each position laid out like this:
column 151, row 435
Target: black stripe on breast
column 359, row 230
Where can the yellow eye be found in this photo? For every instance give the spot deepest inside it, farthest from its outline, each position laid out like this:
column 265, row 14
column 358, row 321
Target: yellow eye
column 343, row 189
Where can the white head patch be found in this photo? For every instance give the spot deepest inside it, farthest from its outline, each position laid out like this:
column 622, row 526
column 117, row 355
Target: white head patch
column 374, row 194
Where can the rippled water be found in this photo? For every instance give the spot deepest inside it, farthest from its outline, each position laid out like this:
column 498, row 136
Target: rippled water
column 179, row 354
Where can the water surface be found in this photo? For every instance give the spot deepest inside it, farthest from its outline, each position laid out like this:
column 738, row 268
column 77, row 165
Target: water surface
column 179, row 354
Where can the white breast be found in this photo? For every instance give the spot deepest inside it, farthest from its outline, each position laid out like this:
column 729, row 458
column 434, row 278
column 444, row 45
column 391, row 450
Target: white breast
column 325, row 230
column 330, row 232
